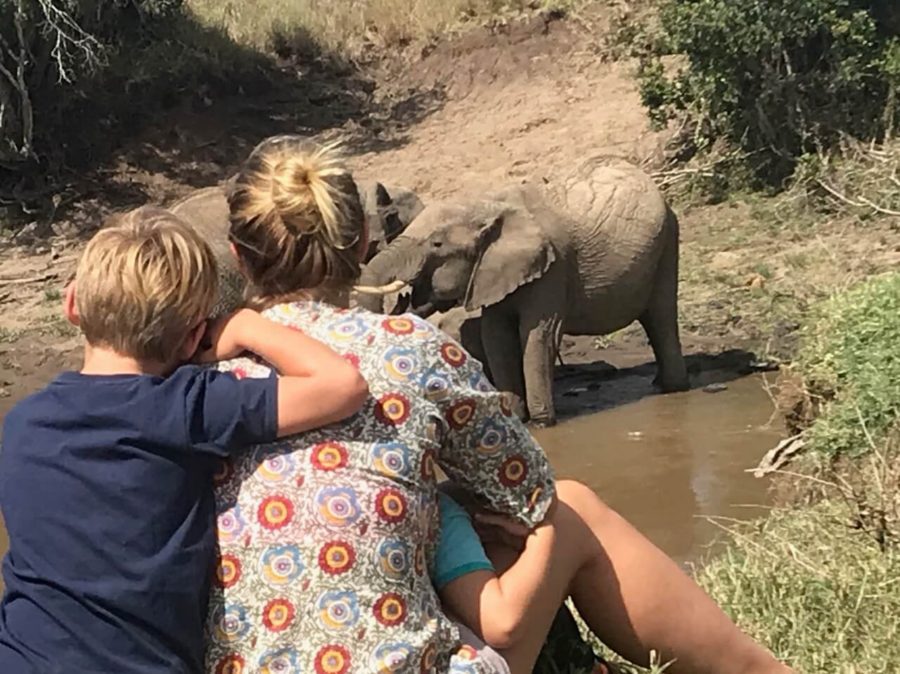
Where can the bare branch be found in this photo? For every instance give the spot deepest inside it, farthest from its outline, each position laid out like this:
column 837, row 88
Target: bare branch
column 72, row 41
column 21, row 68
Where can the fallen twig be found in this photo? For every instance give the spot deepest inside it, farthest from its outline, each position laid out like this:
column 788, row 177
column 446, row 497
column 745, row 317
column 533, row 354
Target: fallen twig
column 880, row 209
column 779, row 455
column 838, row 195
column 28, row 279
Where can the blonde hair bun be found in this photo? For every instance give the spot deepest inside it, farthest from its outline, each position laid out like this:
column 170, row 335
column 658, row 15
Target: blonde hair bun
column 296, row 217
column 303, row 193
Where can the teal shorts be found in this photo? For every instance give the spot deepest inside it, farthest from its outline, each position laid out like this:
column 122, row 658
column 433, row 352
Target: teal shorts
column 459, row 549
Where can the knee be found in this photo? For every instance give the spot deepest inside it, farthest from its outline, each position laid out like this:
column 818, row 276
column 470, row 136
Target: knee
column 571, row 492
column 582, row 500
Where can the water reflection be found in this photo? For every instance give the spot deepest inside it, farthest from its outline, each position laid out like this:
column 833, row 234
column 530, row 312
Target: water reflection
column 666, row 462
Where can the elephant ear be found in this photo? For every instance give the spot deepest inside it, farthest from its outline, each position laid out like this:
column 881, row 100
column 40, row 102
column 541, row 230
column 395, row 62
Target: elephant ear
column 515, row 250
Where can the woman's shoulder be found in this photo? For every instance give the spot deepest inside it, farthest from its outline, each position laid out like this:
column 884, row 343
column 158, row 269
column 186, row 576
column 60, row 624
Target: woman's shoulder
column 311, row 311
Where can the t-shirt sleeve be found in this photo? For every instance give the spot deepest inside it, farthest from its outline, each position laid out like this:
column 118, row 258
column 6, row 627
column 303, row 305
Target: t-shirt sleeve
column 459, row 549
column 225, row 414
column 487, row 450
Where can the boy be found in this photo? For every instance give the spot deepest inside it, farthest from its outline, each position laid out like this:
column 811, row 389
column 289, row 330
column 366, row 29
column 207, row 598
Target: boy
column 106, row 475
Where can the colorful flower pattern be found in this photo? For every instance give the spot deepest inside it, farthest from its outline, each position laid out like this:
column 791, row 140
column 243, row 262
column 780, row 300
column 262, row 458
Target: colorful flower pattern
column 280, row 565
column 280, row 661
column 275, row 468
column 329, row 456
column 229, row 571
column 326, row 538
column 392, row 559
column 275, row 512
column 338, row 610
column 336, row 557
column 230, row 664
column 278, row 615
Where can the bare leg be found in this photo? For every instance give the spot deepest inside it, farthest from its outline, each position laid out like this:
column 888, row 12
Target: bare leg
column 632, row 596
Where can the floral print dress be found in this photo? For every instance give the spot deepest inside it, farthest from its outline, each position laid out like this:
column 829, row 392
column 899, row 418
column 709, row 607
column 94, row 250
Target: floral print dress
column 326, row 539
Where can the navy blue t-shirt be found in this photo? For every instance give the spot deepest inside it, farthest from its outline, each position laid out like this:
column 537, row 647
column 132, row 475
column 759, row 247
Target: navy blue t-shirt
column 106, row 489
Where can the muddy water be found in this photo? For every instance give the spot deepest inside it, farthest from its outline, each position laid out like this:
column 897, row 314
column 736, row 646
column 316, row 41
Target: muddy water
column 668, row 462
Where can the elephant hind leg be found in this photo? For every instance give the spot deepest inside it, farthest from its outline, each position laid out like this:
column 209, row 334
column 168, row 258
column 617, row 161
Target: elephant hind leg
column 660, row 319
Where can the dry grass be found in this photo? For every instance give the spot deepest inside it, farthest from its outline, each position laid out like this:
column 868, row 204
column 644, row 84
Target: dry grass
column 860, row 178
column 349, row 26
column 812, row 588
column 752, row 265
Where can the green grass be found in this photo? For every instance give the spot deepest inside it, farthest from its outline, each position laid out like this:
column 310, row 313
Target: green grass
column 820, row 594
column 345, row 25
column 8, row 335
column 850, row 365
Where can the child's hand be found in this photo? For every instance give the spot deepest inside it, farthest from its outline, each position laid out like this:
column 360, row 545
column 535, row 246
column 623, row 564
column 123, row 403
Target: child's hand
column 504, row 523
column 496, row 536
column 227, row 337
column 493, row 528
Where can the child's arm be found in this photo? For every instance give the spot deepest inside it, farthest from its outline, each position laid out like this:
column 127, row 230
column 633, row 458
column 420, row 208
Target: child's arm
column 317, row 386
column 496, row 607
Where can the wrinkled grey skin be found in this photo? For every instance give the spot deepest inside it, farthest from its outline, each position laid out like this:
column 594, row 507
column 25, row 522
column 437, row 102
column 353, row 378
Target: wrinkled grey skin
column 586, row 256
column 388, row 211
column 465, row 327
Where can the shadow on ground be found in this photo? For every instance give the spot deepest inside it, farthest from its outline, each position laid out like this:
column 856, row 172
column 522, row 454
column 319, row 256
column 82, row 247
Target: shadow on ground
column 594, row 387
column 181, row 112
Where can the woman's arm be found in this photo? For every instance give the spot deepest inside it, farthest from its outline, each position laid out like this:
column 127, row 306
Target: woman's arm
column 317, row 386
column 487, row 450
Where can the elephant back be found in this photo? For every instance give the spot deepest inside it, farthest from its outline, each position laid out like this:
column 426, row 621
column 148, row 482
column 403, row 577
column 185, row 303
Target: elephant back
column 207, row 211
column 620, row 198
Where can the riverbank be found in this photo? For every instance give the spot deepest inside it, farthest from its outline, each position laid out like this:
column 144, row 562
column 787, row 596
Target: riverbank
column 509, row 100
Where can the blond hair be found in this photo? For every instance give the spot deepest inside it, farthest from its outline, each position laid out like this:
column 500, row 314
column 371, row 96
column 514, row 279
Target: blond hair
column 143, row 283
column 296, row 218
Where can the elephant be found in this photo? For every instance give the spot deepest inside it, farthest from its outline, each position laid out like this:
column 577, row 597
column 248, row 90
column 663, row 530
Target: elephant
column 388, row 211
column 585, row 256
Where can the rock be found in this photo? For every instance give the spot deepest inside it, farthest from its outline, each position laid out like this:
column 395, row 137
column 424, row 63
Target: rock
column 724, row 261
column 715, row 388
column 755, row 281
column 763, row 365
column 27, row 234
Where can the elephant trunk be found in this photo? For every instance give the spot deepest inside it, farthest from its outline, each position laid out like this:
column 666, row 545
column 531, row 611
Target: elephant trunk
column 400, row 261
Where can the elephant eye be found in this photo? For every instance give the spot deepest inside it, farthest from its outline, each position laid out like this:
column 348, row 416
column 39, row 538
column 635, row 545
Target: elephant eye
column 437, row 244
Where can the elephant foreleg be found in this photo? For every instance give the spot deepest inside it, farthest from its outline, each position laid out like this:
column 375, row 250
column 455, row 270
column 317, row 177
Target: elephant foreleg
column 660, row 319
column 502, row 351
column 540, row 340
column 471, row 340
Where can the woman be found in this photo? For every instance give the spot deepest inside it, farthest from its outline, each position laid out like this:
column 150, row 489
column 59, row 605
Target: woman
column 326, row 540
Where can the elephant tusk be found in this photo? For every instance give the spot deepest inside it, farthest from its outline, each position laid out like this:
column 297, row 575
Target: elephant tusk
column 387, row 289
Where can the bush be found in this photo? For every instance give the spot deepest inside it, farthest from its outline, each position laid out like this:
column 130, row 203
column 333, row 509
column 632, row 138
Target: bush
column 850, row 365
column 78, row 76
column 778, row 79
column 46, row 46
